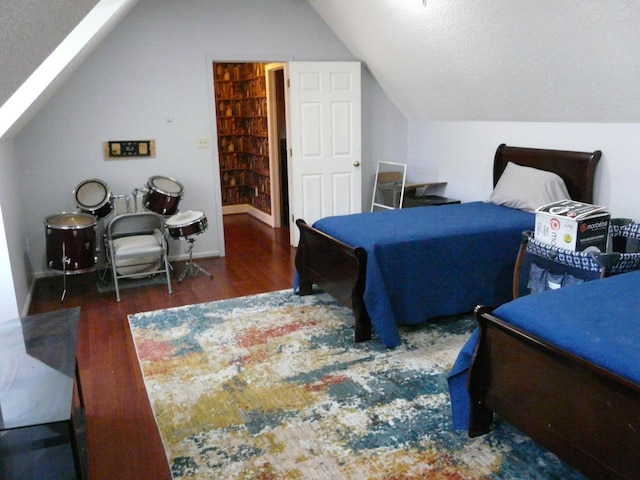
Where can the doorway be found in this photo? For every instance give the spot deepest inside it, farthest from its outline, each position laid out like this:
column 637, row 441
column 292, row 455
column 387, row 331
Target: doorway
column 278, row 119
column 252, row 143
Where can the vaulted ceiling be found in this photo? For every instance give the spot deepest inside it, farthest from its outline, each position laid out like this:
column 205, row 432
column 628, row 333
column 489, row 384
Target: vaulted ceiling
column 512, row 60
column 508, row 60
column 29, row 31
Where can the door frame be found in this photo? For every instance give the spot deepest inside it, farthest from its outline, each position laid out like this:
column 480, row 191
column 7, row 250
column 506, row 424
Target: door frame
column 213, row 128
column 274, row 142
column 284, row 60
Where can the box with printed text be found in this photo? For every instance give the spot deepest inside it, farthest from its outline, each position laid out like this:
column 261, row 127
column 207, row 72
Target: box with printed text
column 572, row 225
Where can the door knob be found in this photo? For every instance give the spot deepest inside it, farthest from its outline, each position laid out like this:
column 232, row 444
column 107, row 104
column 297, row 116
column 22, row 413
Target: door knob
column 356, row 163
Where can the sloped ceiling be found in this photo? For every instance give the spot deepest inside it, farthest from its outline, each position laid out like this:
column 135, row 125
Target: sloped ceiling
column 503, row 60
column 53, row 55
column 29, row 31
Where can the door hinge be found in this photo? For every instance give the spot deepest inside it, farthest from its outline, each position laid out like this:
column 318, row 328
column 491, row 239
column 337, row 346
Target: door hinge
column 291, row 153
column 288, row 83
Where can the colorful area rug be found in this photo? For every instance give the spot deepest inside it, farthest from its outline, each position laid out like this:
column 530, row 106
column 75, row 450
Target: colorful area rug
column 272, row 386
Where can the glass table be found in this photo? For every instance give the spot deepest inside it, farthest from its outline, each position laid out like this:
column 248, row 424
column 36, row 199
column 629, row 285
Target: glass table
column 38, row 373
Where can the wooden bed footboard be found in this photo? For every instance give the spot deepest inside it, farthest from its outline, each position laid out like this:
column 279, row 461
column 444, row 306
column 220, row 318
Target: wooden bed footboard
column 586, row 415
column 336, row 268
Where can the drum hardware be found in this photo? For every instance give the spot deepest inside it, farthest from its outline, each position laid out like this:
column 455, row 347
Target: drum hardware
column 70, row 239
column 65, row 261
column 137, row 196
column 187, row 226
column 121, row 198
column 192, row 267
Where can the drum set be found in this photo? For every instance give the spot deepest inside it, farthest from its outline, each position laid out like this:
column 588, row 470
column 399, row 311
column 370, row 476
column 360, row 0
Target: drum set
column 76, row 241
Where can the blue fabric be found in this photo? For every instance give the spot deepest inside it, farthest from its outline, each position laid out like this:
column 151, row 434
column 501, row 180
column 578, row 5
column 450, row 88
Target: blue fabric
column 457, row 382
column 432, row 261
column 598, row 321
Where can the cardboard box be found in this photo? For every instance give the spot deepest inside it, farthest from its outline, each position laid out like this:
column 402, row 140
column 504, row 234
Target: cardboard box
column 572, row 225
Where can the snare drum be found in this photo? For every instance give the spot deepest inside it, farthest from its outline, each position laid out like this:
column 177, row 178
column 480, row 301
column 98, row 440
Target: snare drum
column 187, row 224
column 93, row 196
column 71, row 240
column 163, row 195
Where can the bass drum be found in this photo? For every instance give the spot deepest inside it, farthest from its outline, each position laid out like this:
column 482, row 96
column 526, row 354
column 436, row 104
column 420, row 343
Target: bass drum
column 187, row 224
column 93, row 196
column 71, row 240
column 162, row 196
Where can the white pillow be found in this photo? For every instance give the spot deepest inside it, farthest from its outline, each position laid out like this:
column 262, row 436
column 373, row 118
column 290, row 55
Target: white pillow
column 527, row 188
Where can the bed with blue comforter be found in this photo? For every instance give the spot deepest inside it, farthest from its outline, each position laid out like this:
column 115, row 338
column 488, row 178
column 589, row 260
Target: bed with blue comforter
column 564, row 367
column 404, row 267
column 430, row 262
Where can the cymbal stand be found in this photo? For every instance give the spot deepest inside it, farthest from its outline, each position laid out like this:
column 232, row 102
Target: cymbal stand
column 192, row 267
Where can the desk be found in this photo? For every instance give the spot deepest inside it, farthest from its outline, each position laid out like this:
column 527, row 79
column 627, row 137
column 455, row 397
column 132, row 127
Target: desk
column 37, row 371
column 410, row 188
column 388, row 196
column 410, row 199
column 428, row 200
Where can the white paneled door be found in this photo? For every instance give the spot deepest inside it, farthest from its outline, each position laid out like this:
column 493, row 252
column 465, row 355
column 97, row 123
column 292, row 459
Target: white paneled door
column 324, row 132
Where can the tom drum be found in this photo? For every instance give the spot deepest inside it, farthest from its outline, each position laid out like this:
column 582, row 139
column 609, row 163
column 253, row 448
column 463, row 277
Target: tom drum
column 163, row 194
column 187, row 224
column 71, row 239
column 93, row 196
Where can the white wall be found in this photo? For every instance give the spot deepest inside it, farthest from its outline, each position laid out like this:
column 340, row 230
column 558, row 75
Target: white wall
column 151, row 79
column 384, row 135
column 13, row 267
column 8, row 305
column 461, row 153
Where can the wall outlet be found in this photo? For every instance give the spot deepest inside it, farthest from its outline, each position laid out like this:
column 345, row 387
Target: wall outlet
column 203, row 142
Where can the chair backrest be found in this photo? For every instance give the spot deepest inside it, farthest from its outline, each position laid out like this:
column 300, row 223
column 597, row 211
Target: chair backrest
column 135, row 224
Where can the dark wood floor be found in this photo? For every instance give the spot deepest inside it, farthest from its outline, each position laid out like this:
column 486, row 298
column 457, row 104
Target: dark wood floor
column 122, row 438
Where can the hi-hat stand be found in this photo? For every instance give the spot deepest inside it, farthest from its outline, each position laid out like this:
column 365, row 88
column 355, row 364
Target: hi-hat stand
column 192, row 267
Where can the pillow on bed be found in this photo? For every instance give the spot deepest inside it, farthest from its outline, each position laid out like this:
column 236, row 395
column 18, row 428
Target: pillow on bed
column 527, row 188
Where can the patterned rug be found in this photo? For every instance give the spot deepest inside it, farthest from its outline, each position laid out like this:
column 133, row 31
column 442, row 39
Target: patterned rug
column 272, row 387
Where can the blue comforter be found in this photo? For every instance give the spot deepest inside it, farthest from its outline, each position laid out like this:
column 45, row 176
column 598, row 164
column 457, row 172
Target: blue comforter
column 598, row 321
column 432, row 261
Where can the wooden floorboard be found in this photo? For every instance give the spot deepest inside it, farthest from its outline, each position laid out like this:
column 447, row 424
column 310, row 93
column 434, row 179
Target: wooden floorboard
column 122, row 438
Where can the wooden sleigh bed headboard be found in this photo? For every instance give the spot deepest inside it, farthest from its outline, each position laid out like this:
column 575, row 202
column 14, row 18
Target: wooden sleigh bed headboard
column 577, row 169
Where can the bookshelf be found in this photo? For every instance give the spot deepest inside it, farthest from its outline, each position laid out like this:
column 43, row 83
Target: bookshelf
column 243, row 145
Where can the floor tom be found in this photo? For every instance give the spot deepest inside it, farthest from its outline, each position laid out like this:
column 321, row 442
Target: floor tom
column 94, row 197
column 71, row 240
column 162, row 196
